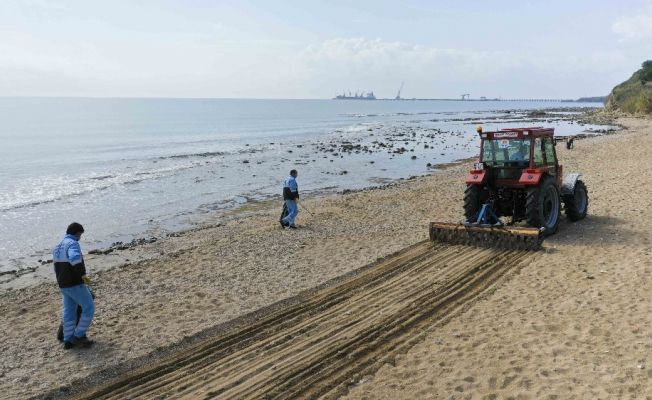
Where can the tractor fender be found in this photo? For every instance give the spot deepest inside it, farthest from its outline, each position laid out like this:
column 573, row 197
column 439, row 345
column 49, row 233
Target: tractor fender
column 530, row 177
column 476, row 177
column 568, row 186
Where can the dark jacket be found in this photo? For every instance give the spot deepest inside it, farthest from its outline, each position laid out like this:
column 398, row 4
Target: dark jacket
column 68, row 262
column 290, row 188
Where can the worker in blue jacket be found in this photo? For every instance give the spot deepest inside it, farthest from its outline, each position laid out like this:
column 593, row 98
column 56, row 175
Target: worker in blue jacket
column 71, row 276
column 291, row 196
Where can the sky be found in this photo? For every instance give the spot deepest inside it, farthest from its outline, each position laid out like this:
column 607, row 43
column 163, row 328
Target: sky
column 317, row 49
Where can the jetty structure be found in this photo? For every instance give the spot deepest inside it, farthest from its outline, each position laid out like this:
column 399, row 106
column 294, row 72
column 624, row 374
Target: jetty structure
column 361, row 95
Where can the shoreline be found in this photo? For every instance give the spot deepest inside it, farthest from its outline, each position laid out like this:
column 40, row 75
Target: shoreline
column 120, row 252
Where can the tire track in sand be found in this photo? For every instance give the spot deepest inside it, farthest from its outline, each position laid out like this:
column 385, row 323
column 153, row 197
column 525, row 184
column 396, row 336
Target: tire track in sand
column 338, row 335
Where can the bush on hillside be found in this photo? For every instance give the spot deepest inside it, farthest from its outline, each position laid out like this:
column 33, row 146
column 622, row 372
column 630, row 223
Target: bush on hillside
column 635, row 94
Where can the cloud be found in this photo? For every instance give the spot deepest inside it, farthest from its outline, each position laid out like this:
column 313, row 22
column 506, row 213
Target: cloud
column 635, row 27
column 222, row 67
column 363, row 56
column 375, row 64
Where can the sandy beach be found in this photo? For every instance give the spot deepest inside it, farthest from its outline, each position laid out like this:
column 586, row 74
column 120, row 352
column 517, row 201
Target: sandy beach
column 572, row 323
column 575, row 323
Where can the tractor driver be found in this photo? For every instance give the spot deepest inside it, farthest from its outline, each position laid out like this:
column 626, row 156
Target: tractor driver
column 520, row 154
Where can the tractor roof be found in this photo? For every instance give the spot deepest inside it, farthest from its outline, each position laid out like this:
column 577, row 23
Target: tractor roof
column 519, row 133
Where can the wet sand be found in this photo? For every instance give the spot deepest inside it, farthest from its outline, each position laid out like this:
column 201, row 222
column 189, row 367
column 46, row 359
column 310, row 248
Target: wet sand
column 573, row 323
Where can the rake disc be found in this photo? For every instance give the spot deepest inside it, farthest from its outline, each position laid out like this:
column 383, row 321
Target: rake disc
column 510, row 238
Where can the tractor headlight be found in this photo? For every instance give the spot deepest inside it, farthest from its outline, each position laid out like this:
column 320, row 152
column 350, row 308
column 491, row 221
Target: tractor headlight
column 478, row 166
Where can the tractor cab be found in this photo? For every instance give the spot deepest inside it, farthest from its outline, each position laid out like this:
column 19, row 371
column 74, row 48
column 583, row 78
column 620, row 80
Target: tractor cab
column 516, row 157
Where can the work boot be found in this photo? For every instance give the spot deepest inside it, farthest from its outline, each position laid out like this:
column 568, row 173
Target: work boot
column 293, row 226
column 283, row 224
column 82, row 342
column 60, row 333
column 68, row 345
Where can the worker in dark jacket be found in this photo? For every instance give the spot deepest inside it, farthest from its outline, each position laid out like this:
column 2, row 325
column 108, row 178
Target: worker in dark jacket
column 71, row 276
column 291, row 196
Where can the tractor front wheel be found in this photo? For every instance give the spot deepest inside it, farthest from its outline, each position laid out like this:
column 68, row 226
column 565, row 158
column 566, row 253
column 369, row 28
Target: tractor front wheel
column 577, row 204
column 543, row 206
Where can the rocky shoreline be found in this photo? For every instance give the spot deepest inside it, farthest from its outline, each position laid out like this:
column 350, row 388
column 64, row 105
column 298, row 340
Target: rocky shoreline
column 413, row 141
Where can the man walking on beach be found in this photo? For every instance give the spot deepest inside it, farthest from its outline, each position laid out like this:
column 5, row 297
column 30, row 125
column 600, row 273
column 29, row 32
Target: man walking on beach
column 71, row 276
column 291, row 196
column 569, row 142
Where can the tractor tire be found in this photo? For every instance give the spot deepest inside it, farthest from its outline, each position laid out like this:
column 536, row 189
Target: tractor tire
column 472, row 202
column 576, row 205
column 543, row 206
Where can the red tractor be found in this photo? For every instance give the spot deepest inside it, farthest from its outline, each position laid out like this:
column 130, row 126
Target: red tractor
column 517, row 176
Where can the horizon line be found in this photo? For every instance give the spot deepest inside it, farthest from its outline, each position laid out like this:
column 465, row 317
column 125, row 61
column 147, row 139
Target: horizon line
column 504, row 98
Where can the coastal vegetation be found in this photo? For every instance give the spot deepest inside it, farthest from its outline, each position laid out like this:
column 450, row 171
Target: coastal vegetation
column 635, row 94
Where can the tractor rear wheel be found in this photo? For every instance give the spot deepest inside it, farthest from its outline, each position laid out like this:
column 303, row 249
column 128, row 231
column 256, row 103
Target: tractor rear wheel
column 577, row 204
column 543, row 206
column 472, row 202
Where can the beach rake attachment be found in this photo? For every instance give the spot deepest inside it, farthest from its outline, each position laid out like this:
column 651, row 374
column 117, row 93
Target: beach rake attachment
column 503, row 237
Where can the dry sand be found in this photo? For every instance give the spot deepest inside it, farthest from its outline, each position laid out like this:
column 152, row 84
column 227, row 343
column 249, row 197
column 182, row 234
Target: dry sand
column 574, row 323
column 331, row 339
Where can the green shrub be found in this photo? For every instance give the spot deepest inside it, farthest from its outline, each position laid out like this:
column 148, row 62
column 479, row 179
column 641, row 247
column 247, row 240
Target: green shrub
column 635, row 94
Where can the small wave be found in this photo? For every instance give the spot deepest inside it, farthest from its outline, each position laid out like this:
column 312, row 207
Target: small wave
column 101, row 178
column 204, row 154
column 207, row 154
column 395, row 114
column 360, row 115
column 55, row 188
column 51, row 199
column 30, row 204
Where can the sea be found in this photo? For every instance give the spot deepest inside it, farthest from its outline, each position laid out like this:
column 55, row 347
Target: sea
column 137, row 168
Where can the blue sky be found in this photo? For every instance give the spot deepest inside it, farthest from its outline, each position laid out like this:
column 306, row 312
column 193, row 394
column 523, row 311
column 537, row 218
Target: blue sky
column 315, row 49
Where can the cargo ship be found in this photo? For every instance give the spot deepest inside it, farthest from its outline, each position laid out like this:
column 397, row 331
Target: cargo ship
column 356, row 96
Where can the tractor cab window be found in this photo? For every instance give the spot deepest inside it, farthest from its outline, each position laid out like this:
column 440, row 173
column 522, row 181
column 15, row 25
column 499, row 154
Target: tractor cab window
column 550, row 150
column 506, row 152
column 538, row 152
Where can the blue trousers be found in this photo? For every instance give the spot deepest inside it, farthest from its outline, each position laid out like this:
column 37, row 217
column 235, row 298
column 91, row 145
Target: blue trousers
column 293, row 210
column 73, row 296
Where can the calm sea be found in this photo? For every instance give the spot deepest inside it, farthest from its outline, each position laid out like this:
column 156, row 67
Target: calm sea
column 127, row 168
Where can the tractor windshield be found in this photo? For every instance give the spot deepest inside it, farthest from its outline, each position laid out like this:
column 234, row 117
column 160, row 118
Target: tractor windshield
column 506, row 152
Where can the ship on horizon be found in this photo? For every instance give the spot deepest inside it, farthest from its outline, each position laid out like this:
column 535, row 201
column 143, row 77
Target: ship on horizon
column 356, row 96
